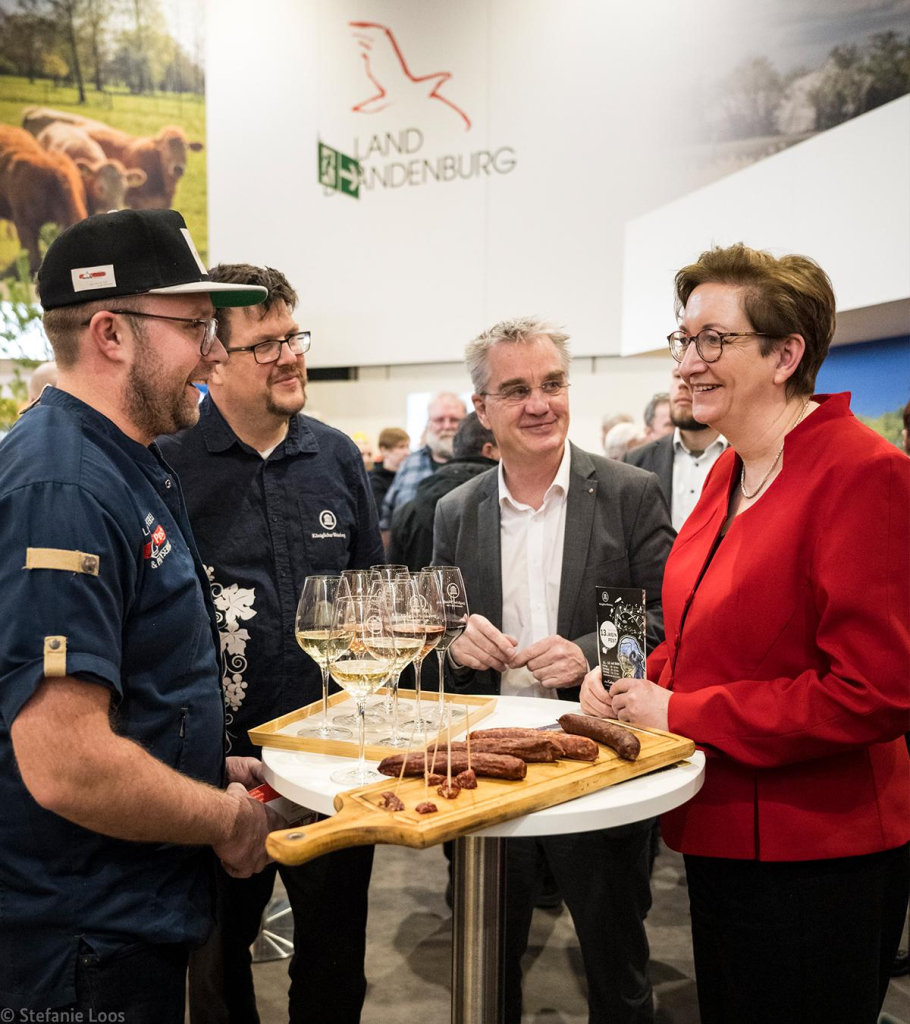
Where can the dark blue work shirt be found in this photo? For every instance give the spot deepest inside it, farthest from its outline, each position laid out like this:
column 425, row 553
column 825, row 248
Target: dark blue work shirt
column 101, row 581
column 263, row 526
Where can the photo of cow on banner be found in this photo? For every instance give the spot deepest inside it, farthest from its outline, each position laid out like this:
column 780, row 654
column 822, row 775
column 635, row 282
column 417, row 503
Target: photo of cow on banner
column 101, row 108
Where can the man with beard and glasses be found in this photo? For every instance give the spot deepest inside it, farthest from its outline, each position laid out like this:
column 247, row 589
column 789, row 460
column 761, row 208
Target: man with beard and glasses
column 113, row 778
column 683, row 458
column 274, row 497
column 444, row 413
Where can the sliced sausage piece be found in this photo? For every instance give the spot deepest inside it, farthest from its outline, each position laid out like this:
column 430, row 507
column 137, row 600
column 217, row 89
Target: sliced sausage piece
column 575, row 748
column 624, row 742
column 467, row 779
column 494, row 766
column 532, row 749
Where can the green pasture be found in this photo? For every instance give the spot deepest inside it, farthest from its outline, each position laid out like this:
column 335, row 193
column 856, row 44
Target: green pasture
column 139, row 115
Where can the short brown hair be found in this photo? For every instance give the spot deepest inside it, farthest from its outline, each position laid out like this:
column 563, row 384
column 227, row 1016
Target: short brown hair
column 392, row 437
column 789, row 295
column 64, row 325
column 276, row 284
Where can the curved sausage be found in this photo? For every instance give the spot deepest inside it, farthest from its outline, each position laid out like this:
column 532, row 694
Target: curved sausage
column 538, row 748
column 624, row 742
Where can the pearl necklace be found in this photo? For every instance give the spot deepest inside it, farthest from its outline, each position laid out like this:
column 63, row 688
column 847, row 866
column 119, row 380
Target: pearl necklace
column 780, row 451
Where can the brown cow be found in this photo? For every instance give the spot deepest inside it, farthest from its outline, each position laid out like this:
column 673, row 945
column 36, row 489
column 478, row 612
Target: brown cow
column 36, row 187
column 104, row 181
column 163, row 157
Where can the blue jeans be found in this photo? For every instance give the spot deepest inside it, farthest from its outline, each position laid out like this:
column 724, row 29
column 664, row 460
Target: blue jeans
column 140, row 984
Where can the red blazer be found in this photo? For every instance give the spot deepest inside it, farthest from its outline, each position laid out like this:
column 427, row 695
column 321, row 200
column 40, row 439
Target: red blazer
column 791, row 669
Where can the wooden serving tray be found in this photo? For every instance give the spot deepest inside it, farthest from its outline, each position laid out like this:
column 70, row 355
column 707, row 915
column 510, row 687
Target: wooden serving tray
column 279, row 732
column 360, row 821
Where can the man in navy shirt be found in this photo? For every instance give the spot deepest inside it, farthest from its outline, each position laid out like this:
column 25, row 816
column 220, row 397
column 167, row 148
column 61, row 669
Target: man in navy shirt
column 274, row 497
column 111, row 718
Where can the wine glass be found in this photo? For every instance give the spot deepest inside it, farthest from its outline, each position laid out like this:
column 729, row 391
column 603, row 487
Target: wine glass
column 315, row 634
column 408, row 631
column 362, row 667
column 455, row 603
column 389, row 571
column 359, row 581
column 430, row 607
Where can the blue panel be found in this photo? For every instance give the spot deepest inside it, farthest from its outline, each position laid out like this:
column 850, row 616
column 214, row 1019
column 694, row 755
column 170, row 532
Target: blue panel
column 876, row 372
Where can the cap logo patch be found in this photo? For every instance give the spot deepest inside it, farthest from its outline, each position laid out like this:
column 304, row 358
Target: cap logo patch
column 189, row 241
column 86, row 279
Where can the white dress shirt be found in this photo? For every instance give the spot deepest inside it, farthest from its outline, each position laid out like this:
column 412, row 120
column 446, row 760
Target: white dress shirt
column 531, row 544
column 689, row 473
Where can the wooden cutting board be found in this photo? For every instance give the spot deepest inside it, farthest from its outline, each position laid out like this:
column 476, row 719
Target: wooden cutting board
column 360, row 821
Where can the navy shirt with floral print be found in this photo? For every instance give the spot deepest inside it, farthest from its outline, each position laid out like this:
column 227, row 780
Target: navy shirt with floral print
column 262, row 526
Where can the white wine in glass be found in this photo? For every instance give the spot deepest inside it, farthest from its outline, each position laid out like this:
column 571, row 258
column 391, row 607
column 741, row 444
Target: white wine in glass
column 316, row 633
column 361, row 671
column 455, row 603
column 406, row 639
column 431, row 611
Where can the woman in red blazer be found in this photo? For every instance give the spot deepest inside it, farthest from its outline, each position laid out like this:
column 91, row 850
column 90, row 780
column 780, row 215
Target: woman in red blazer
column 786, row 601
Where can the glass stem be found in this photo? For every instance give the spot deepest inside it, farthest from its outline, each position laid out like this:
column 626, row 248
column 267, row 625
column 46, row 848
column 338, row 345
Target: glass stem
column 441, row 657
column 418, row 666
column 325, row 696
column 395, row 682
column 361, row 711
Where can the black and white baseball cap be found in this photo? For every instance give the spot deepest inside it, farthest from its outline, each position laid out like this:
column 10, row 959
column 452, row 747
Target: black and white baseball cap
column 131, row 252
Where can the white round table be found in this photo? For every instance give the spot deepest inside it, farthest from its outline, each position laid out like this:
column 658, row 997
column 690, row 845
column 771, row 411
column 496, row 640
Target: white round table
column 479, row 862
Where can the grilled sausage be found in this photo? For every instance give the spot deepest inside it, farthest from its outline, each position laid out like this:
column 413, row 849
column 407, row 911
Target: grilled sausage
column 532, row 749
column 575, row 748
column 624, row 742
column 494, row 766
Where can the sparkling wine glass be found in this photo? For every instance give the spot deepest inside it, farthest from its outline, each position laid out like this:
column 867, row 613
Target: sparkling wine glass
column 359, row 581
column 430, row 606
column 361, row 668
column 455, row 603
column 408, row 632
column 316, row 635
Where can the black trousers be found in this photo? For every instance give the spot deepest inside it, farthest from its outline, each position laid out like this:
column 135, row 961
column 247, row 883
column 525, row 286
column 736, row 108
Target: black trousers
column 603, row 878
column 328, row 898
column 141, row 984
column 807, row 942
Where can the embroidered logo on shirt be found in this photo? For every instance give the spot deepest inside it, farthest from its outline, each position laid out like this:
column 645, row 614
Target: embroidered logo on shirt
column 328, row 521
column 157, row 547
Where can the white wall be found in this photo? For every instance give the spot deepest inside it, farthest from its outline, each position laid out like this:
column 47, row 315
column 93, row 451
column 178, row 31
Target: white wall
column 841, row 198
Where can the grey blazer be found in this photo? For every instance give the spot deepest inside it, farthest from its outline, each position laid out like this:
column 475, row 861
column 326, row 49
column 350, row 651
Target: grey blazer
column 656, row 457
column 618, row 533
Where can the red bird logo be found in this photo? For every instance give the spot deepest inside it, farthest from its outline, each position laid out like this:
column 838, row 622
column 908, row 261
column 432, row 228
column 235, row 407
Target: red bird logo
column 387, row 69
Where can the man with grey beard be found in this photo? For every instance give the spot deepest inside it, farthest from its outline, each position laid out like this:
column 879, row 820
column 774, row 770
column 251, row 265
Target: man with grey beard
column 274, row 496
column 444, row 414
column 682, row 458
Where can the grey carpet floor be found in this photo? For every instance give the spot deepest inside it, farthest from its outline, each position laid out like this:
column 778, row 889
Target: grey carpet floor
column 409, row 952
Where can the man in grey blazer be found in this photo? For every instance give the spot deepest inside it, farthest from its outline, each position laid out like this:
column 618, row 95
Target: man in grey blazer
column 534, row 539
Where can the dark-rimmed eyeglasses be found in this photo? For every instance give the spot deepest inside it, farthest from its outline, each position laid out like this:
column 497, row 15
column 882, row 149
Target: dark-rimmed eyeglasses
column 708, row 344
column 516, row 394
column 208, row 325
column 270, row 351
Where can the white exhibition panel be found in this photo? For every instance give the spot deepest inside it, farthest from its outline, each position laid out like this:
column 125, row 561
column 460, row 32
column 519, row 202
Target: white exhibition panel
column 531, row 221
column 841, row 197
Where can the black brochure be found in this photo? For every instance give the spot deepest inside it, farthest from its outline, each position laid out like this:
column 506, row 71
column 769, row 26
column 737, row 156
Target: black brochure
column 621, row 633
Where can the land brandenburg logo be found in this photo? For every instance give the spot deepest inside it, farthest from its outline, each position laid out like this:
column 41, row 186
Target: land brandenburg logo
column 401, row 158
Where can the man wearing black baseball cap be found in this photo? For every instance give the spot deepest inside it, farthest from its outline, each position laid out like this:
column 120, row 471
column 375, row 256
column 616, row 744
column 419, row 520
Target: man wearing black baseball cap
column 112, row 767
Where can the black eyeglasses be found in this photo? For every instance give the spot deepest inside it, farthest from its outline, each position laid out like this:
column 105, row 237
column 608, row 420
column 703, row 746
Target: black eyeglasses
column 516, row 394
column 209, row 325
column 270, row 351
column 708, row 344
